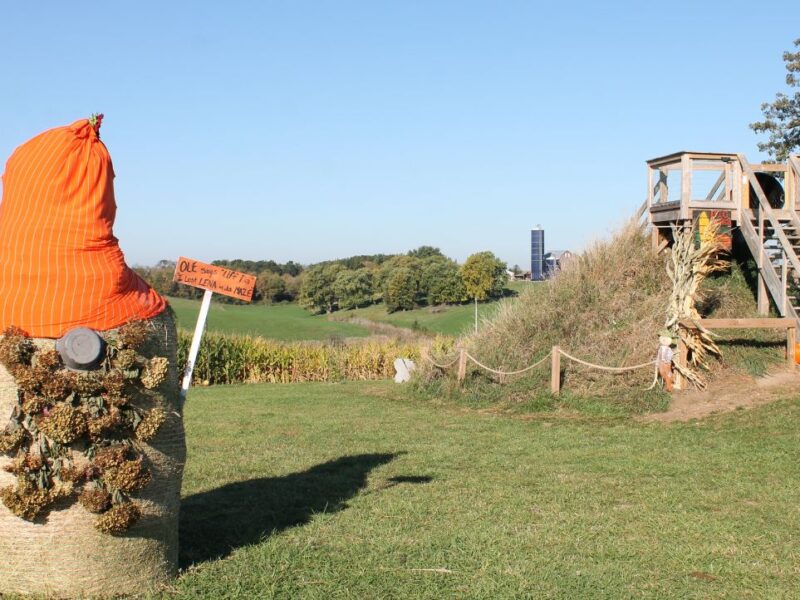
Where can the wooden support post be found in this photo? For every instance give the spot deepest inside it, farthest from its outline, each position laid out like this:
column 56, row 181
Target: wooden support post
column 791, row 340
column 679, row 382
column 784, row 307
column 763, row 298
column 462, row 365
column 555, row 371
column 761, row 287
column 686, row 186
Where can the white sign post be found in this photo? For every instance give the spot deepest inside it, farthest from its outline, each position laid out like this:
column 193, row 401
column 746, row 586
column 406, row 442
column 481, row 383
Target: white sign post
column 198, row 335
column 212, row 279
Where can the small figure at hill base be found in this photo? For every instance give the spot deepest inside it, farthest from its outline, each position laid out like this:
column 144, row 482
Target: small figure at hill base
column 664, row 360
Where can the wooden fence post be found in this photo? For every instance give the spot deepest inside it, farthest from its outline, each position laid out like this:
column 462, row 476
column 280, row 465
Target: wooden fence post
column 791, row 340
column 462, row 365
column 555, row 371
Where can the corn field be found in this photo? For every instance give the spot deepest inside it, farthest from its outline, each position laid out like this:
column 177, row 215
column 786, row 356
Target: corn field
column 242, row 359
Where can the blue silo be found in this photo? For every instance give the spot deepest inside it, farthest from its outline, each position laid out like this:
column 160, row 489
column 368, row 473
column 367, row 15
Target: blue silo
column 537, row 254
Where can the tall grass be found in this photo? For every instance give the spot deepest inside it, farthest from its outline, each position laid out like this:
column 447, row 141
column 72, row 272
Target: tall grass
column 227, row 359
column 607, row 308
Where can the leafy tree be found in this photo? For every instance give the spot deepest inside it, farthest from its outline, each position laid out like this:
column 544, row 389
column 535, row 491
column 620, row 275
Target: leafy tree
column 402, row 289
column 353, row 288
column 270, row 287
column 292, row 286
column 291, row 268
column 484, row 276
column 782, row 117
column 255, row 267
column 159, row 277
column 425, row 252
column 317, row 292
column 389, row 266
column 440, row 281
column 362, row 260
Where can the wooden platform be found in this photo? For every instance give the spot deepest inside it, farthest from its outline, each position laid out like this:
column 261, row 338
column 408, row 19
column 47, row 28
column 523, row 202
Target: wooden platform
column 685, row 185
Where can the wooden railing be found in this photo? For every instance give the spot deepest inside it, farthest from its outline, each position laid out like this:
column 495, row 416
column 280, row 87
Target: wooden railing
column 776, row 283
column 794, row 188
column 790, row 325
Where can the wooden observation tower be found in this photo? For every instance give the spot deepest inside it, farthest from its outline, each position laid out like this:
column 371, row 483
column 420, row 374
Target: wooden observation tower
column 760, row 201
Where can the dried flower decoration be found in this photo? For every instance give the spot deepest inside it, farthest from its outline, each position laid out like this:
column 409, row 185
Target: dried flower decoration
column 60, row 413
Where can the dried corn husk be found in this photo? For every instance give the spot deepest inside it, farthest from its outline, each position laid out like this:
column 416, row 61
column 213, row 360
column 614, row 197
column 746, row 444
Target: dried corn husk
column 688, row 266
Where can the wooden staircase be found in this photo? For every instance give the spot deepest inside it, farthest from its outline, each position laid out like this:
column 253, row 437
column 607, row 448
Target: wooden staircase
column 684, row 185
column 773, row 238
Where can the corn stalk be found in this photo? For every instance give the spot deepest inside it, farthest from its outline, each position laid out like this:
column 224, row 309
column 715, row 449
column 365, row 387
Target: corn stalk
column 688, row 267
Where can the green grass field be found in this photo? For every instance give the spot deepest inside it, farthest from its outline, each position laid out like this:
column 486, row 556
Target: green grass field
column 286, row 322
column 291, row 322
column 447, row 320
column 351, row 491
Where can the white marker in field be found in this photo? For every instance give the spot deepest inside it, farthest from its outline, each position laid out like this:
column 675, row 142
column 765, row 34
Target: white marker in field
column 212, row 279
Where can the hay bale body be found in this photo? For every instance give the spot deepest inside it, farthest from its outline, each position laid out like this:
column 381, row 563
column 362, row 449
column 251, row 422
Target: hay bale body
column 62, row 554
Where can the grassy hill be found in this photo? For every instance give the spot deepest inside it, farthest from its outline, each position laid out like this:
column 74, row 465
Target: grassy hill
column 608, row 309
column 303, row 491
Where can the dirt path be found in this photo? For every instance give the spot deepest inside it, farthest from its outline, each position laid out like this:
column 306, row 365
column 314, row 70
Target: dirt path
column 725, row 395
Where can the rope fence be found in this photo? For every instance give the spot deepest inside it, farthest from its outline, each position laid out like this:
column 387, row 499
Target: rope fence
column 554, row 355
column 497, row 372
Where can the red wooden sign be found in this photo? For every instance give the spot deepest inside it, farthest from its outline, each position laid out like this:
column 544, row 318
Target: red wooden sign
column 215, row 279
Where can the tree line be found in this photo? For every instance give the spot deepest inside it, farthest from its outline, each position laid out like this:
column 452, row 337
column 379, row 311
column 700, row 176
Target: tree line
column 422, row 277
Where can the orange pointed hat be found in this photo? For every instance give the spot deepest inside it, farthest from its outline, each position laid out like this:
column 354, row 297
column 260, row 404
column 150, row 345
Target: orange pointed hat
column 60, row 265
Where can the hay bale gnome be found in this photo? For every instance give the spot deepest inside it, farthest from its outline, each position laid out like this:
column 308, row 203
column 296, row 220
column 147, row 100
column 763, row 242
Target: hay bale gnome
column 91, row 436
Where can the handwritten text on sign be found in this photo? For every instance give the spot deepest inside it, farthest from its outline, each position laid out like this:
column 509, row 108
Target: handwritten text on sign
column 215, row 279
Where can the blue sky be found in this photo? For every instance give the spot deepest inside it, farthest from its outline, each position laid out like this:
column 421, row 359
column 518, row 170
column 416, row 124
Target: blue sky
column 309, row 131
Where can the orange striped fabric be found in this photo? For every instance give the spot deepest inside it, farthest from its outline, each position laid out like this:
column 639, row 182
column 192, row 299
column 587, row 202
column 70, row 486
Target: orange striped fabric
column 60, row 264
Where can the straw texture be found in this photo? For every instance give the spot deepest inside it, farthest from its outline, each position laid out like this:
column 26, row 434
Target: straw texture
column 63, row 555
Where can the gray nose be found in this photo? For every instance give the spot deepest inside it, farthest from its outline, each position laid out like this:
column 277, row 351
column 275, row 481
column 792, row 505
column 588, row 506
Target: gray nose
column 81, row 349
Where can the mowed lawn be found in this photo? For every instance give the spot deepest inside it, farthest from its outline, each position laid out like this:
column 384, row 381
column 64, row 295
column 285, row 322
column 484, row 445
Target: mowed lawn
column 286, row 322
column 351, row 491
column 445, row 320
column 292, row 322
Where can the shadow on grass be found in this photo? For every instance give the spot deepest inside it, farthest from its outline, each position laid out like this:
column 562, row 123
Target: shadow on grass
column 216, row 522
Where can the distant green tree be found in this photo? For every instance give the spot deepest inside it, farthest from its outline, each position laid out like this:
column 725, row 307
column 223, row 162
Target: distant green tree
column 292, row 286
column 317, row 293
column 782, row 117
column 353, row 288
column 291, row 268
column 425, row 252
column 160, row 278
column 440, row 282
column 484, row 276
column 389, row 266
column 255, row 267
column 402, row 289
column 270, row 287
